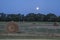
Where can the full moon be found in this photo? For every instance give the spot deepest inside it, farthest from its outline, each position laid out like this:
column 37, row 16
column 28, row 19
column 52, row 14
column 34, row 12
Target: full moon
column 37, row 8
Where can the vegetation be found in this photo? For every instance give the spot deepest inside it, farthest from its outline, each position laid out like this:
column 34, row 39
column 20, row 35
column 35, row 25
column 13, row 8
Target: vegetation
column 30, row 17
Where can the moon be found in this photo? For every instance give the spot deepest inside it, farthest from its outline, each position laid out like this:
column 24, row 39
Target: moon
column 37, row 8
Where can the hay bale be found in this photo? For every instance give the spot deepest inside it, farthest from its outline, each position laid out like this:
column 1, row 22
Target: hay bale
column 55, row 24
column 12, row 27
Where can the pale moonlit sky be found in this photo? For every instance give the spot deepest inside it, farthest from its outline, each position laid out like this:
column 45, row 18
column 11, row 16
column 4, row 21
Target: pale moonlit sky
column 28, row 6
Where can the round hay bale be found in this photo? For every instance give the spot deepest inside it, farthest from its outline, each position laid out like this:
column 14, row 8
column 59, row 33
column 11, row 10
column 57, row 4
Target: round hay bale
column 12, row 27
column 56, row 24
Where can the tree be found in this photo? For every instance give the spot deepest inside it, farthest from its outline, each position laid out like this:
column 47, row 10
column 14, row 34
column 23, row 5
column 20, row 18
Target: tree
column 30, row 17
column 2, row 16
column 58, row 19
column 34, row 17
column 12, row 17
column 40, row 17
column 50, row 17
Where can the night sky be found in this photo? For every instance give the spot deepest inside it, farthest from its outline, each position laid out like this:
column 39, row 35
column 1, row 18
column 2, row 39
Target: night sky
column 30, row 6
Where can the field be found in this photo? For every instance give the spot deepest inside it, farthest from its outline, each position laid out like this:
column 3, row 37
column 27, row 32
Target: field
column 29, row 39
column 32, row 30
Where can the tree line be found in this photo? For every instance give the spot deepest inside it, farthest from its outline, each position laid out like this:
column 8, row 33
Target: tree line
column 30, row 17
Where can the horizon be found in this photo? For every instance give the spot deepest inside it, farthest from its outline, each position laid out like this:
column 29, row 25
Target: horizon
column 30, row 6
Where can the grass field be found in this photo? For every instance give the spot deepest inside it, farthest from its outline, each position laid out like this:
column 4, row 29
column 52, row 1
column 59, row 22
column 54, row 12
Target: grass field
column 31, row 36
column 29, row 39
column 31, row 28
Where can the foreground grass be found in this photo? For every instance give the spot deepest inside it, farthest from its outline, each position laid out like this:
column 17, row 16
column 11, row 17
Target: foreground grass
column 28, row 37
column 26, row 24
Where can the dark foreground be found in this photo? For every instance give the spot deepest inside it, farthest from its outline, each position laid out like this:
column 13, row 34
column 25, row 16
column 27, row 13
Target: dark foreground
column 27, row 36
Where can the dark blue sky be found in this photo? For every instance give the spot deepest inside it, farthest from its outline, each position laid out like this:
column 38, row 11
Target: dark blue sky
column 28, row 6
